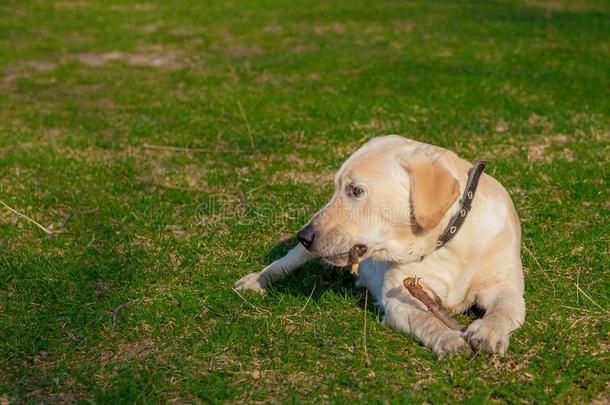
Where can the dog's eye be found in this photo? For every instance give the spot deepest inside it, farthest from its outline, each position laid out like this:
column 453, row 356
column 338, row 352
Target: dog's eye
column 355, row 191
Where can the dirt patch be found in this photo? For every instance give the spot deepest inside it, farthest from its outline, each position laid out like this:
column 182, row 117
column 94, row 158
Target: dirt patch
column 302, row 169
column 602, row 399
column 564, row 5
column 404, row 27
column 26, row 69
column 186, row 177
column 128, row 351
column 267, row 78
column 55, row 397
column 150, row 28
column 122, row 8
column 37, row 389
column 335, row 28
column 273, row 28
column 154, row 59
column 40, row 66
column 539, row 121
column 303, row 177
column 10, row 78
column 501, row 126
column 377, row 125
column 194, row 175
column 300, row 48
column 96, row 154
column 539, row 151
column 241, row 50
column 184, row 31
column 545, row 149
column 71, row 5
column 536, row 152
column 296, row 160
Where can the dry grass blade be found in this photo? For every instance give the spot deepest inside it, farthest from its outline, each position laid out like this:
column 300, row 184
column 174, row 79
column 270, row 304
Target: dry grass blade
column 587, row 296
column 257, row 309
column 180, row 149
column 30, row 220
column 365, row 348
column 306, row 302
column 243, row 114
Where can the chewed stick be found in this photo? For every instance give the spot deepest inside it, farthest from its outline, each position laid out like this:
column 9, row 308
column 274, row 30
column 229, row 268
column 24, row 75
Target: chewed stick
column 354, row 260
column 412, row 284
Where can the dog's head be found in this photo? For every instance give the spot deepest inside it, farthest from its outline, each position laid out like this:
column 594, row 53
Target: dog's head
column 389, row 197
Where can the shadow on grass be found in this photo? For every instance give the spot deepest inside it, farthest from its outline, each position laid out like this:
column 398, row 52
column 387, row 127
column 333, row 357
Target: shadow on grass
column 316, row 279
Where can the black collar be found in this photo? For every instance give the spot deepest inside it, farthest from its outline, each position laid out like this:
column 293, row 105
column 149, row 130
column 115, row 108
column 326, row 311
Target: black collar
column 456, row 221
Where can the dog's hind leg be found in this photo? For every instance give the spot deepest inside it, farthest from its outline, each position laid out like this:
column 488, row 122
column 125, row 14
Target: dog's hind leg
column 260, row 280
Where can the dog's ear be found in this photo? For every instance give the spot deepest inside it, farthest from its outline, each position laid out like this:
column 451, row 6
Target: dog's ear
column 433, row 190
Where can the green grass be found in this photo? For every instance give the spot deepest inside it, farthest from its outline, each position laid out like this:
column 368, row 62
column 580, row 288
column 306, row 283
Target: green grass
column 132, row 301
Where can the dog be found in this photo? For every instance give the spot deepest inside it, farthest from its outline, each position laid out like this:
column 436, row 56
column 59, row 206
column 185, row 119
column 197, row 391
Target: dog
column 396, row 202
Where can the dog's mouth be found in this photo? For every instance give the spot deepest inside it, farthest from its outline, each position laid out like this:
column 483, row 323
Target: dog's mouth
column 353, row 256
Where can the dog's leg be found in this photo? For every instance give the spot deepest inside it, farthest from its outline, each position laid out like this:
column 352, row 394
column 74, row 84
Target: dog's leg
column 424, row 326
column 404, row 313
column 260, row 280
column 504, row 313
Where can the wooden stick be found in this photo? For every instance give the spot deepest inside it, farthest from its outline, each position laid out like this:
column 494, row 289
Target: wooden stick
column 415, row 289
column 354, row 260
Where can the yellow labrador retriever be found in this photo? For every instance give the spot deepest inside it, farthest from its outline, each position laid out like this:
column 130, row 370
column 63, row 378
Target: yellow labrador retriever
column 398, row 202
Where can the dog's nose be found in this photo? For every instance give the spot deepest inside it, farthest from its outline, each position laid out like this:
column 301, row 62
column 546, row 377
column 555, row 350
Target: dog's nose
column 306, row 236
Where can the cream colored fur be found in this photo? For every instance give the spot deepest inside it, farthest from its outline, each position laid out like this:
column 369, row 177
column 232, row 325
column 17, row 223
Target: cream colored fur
column 412, row 190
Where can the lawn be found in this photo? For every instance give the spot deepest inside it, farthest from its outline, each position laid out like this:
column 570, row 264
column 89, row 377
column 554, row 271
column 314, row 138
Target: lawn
column 169, row 148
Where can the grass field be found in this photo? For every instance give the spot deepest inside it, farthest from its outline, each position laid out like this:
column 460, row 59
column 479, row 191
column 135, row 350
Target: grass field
column 130, row 299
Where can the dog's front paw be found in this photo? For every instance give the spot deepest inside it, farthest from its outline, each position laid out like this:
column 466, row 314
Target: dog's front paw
column 451, row 343
column 486, row 336
column 254, row 281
